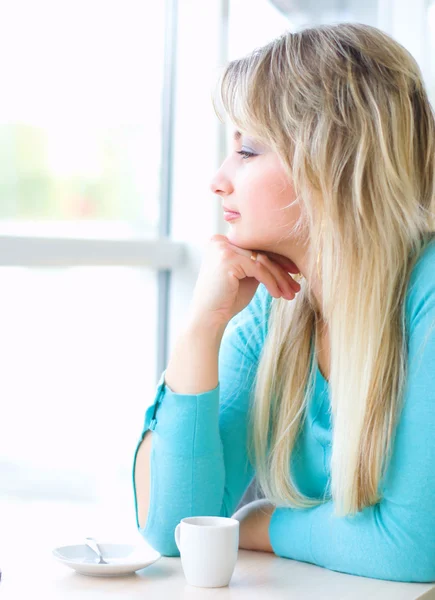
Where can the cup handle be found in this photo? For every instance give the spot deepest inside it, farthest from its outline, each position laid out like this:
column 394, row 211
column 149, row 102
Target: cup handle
column 177, row 536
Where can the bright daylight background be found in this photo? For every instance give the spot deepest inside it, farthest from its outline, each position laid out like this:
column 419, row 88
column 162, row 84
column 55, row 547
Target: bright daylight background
column 84, row 112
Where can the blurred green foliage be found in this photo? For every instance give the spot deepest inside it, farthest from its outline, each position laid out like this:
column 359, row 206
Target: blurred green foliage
column 31, row 189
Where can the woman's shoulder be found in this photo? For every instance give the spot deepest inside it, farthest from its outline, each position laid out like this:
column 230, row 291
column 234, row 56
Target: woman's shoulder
column 426, row 261
column 421, row 288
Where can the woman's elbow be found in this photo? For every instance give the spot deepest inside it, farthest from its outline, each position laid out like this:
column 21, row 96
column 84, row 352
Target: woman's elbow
column 415, row 565
column 163, row 542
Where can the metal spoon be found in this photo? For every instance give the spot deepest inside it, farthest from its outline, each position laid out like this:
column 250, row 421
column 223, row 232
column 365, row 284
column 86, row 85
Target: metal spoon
column 94, row 546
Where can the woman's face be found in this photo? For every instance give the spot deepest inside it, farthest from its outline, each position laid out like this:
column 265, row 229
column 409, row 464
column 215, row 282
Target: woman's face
column 255, row 185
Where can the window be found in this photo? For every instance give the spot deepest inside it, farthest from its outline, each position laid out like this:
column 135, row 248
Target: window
column 78, row 359
column 80, row 115
column 80, row 146
column 98, row 249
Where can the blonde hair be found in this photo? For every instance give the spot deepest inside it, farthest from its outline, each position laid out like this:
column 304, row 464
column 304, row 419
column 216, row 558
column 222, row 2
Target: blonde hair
column 345, row 109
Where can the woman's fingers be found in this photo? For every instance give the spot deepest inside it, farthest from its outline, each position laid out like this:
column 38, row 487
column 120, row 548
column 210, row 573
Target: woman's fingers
column 265, row 276
column 272, row 276
column 260, row 269
column 287, row 284
column 285, row 262
column 273, row 271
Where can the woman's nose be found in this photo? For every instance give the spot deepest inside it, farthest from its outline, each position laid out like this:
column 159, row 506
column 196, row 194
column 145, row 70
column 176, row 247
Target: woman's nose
column 220, row 184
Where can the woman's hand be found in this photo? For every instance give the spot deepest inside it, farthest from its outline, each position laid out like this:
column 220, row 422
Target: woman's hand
column 228, row 280
column 254, row 519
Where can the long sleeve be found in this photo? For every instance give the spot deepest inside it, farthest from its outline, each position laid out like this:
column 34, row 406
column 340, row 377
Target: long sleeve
column 199, row 462
column 394, row 539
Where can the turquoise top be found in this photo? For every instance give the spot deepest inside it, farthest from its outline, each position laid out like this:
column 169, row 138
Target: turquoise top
column 199, row 463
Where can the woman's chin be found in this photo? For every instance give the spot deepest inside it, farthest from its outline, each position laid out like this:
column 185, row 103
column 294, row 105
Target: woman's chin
column 244, row 242
column 232, row 235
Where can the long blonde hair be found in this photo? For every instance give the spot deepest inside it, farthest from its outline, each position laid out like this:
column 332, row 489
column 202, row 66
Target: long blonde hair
column 345, row 108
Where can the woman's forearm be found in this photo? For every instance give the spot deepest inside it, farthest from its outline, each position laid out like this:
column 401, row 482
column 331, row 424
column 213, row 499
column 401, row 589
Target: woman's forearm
column 192, row 369
column 254, row 519
column 193, row 365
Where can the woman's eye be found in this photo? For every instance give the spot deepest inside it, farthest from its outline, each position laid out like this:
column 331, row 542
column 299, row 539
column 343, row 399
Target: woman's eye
column 245, row 153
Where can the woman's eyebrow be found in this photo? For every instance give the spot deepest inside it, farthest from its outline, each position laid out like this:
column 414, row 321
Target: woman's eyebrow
column 236, row 135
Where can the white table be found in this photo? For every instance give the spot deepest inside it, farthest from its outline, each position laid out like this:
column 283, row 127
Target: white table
column 38, row 527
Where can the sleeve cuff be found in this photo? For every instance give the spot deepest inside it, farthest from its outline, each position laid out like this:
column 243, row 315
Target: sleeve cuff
column 150, row 420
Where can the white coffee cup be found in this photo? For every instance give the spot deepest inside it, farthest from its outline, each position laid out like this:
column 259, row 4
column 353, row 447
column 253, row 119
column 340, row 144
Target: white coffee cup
column 208, row 548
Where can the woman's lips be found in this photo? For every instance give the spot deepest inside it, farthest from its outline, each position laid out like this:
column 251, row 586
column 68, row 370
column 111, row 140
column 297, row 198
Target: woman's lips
column 229, row 215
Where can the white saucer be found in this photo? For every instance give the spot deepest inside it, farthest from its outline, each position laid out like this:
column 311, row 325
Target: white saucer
column 123, row 559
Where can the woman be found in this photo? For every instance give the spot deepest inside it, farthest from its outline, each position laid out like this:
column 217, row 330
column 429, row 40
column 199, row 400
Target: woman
column 325, row 391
